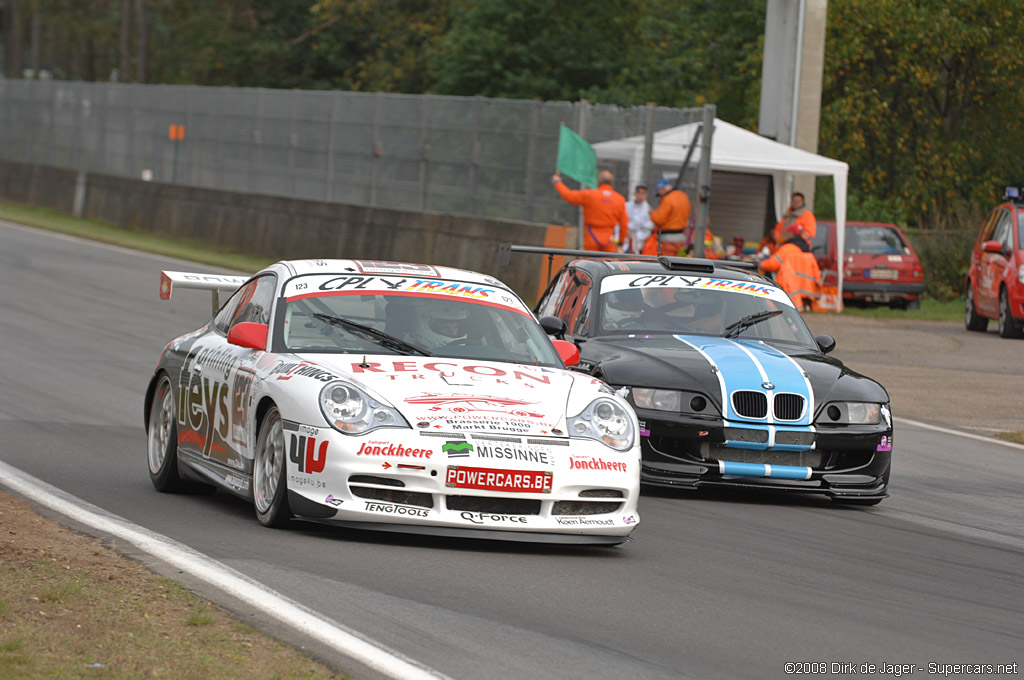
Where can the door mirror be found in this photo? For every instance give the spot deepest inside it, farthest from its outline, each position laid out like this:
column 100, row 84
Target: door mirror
column 992, row 247
column 569, row 352
column 826, row 343
column 248, row 334
column 554, row 326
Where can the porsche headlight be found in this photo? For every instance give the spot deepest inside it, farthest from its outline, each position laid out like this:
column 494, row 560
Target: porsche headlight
column 607, row 422
column 851, row 413
column 350, row 410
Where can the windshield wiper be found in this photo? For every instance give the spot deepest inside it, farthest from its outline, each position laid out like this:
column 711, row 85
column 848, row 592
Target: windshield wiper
column 373, row 335
column 734, row 329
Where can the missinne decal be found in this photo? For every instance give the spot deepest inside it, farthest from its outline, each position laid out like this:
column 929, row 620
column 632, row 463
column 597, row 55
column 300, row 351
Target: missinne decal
column 619, row 282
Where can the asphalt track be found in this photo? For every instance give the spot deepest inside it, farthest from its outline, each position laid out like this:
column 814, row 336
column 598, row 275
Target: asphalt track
column 712, row 586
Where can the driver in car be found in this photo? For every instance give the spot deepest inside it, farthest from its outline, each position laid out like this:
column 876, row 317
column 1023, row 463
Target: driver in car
column 438, row 325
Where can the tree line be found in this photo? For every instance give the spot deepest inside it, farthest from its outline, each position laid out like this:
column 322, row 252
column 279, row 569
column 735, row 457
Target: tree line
column 921, row 97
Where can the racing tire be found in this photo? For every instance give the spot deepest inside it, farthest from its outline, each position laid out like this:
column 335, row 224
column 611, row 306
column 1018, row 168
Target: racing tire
column 162, row 440
column 269, row 472
column 972, row 320
column 1008, row 327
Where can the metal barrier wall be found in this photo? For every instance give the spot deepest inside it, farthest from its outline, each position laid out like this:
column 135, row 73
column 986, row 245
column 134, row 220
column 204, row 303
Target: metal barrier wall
column 457, row 155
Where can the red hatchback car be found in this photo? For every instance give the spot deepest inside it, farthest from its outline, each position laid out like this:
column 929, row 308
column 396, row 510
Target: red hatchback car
column 880, row 266
column 995, row 281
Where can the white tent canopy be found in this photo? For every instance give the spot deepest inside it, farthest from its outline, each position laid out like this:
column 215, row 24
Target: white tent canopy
column 734, row 149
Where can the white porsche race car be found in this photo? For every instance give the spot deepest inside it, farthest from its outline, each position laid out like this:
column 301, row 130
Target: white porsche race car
column 391, row 396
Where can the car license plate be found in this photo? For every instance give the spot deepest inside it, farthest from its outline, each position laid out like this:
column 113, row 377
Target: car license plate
column 889, row 274
column 492, row 479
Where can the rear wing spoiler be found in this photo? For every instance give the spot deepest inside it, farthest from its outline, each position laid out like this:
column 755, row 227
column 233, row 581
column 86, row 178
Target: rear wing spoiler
column 215, row 283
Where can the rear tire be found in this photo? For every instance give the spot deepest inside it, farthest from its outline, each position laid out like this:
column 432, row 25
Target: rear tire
column 1008, row 327
column 163, row 440
column 270, row 466
column 972, row 320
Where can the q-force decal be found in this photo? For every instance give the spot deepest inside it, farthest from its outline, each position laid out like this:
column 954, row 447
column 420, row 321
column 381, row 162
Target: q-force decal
column 751, row 365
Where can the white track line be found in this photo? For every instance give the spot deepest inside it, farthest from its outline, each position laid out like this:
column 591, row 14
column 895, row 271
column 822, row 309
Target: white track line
column 958, row 433
column 226, row 579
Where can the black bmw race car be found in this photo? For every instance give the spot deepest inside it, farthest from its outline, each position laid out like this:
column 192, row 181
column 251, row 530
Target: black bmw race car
column 730, row 386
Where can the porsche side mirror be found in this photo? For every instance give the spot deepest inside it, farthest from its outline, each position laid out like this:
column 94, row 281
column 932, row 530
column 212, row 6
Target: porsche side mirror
column 552, row 325
column 569, row 352
column 826, row 343
column 992, row 246
column 248, row 334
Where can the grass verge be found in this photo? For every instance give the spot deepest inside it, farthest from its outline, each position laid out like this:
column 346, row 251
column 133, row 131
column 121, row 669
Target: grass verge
column 72, row 608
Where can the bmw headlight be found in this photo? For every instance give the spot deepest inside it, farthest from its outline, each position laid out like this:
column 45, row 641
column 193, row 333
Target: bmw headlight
column 674, row 401
column 607, row 422
column 350, row 410
column 850, row 413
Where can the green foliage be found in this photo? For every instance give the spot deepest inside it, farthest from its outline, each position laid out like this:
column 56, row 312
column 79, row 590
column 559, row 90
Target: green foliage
column 945, row 256
column 533, row 48
column 923, row 100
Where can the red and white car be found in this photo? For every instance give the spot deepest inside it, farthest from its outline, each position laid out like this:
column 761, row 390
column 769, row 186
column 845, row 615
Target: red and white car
column 880, row 267
column 395, row 397
column 994, row 288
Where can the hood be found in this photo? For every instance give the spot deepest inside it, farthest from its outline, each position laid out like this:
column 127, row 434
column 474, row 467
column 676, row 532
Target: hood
column 465, row 395
column 718, row 366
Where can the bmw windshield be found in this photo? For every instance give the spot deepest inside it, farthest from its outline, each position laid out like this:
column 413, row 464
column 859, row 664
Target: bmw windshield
column 634, row 304
column 409, row 316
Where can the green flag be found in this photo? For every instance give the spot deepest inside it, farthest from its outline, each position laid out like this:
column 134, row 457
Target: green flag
column 576, row 158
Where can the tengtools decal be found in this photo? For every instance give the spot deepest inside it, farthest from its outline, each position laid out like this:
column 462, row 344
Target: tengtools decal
column 397, row 510
column 490, row 479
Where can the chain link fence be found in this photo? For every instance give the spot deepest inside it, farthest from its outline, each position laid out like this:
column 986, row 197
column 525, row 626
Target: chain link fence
column 460, row 155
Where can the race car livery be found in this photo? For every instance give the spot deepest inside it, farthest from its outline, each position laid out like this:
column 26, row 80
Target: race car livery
column 729, row 385
column 395, row 397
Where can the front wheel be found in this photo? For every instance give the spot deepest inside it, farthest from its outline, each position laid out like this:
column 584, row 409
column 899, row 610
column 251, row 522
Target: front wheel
column 269, row 485
column 972, row 320
column 1008, row 328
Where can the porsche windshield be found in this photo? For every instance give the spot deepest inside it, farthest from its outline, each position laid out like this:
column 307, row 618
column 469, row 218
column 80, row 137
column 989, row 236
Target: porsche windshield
column 639, row 304
column 389, row 316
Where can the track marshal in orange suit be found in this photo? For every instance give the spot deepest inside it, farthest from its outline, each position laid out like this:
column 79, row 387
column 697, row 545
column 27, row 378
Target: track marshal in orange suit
column 605, row 222
column 671, row 219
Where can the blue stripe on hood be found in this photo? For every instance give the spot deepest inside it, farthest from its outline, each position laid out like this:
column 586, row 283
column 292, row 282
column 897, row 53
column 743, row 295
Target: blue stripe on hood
column 745, row 364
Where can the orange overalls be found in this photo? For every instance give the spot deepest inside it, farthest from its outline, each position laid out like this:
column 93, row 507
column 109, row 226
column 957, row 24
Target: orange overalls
column 603, row 210
column 796, row 272
column 804, row 219
column 670, row 219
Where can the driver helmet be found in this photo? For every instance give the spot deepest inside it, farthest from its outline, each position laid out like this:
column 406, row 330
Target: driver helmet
column 440, row 324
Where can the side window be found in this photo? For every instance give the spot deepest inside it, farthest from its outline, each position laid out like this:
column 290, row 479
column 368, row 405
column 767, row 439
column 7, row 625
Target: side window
column 574, row 307
column 549, row 301
column 252, row 302
column 1002, row 231
column 989, row 225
